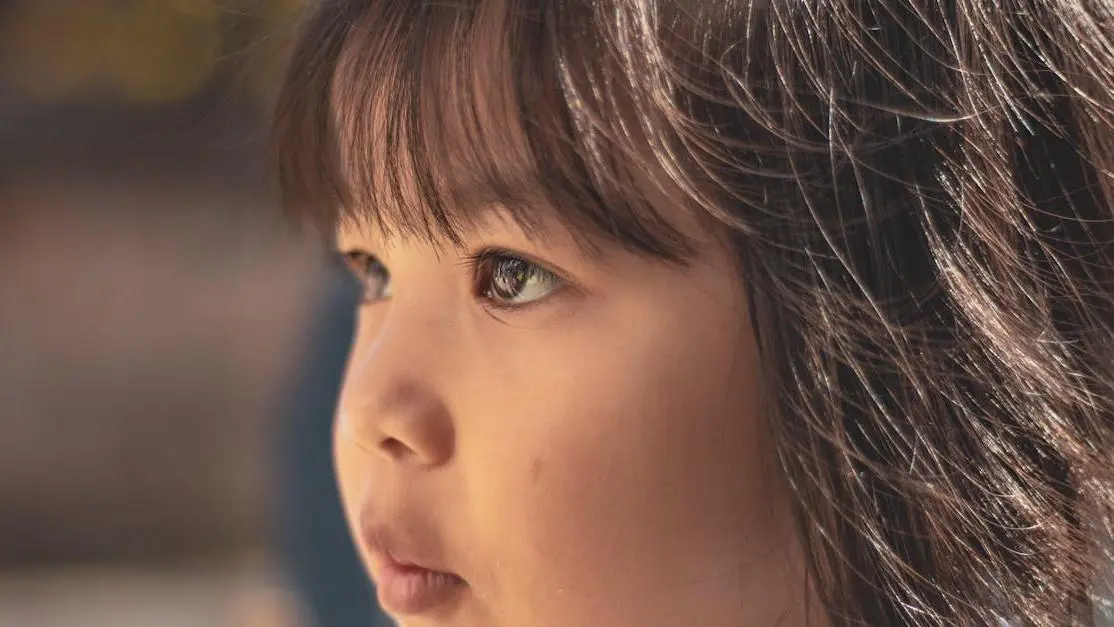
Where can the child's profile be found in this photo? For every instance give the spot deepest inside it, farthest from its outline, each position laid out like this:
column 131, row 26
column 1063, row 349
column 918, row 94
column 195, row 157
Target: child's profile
column 719, row 313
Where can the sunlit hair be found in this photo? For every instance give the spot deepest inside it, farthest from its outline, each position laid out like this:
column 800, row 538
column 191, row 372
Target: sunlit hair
column 920, row 193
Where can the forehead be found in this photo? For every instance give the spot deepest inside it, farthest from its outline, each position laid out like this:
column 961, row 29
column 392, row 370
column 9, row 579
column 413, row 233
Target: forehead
column 427, row 113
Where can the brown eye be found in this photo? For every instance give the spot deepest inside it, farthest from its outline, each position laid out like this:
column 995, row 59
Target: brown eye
column 371, row 274
column 509, row 281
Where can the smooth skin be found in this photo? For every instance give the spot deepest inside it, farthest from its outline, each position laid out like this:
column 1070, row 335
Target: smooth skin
column 583, row 445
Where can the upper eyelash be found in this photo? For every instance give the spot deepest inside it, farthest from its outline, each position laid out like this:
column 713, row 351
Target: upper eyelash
column 474, row 260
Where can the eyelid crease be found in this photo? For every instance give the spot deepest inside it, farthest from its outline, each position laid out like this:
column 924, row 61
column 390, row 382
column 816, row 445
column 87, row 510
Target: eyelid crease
column 493, row 252
column 348, row 251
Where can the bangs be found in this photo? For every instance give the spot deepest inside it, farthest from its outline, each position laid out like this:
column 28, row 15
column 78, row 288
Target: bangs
column 416, row 118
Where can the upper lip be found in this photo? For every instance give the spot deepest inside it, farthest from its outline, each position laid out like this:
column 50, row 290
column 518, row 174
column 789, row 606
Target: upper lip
column 386, row 547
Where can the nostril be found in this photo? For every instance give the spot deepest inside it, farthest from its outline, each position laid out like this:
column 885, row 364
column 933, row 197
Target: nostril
column 394, row 447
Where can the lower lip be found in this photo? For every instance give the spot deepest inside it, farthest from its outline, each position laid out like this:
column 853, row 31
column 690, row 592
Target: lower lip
column 406, row 589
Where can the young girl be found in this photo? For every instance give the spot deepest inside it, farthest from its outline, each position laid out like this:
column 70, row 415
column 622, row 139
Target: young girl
column 720, row 313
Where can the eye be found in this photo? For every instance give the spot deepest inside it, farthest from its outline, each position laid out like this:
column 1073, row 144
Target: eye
column 506, row 280
column 371, row 274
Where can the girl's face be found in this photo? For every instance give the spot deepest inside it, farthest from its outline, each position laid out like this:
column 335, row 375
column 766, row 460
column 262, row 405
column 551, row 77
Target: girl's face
column 576, row 440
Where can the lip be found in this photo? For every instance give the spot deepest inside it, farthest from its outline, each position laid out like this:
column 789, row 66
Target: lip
column 405, row 583
column 409, row 589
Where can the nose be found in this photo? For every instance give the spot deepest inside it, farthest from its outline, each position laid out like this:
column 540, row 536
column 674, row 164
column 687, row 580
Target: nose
column 393, row 401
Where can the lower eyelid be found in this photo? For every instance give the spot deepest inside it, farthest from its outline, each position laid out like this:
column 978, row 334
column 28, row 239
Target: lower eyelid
column 560, row 293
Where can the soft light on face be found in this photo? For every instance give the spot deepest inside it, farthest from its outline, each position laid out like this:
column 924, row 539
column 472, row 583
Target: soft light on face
column 576, row 441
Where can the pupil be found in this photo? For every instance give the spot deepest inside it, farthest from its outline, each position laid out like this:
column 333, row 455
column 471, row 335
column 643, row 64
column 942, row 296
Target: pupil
column 510, row 277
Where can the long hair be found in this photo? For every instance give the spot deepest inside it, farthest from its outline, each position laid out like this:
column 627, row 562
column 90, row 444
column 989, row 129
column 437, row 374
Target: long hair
column 921, row 197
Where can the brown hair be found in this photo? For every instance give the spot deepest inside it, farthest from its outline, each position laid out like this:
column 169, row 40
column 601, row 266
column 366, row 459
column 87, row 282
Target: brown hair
column 920, row 194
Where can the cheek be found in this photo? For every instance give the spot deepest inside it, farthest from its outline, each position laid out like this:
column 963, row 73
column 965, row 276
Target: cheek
column 629, row 469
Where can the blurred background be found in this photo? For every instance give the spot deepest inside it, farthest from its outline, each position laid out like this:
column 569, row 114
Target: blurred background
column 153, row 307
column 169, row 348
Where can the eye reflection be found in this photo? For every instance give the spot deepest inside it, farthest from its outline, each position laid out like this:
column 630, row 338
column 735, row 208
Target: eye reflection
column 372, row 276
column 507, row 280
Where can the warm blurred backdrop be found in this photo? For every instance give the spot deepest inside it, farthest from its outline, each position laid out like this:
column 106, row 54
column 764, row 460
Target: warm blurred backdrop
column 151, row 306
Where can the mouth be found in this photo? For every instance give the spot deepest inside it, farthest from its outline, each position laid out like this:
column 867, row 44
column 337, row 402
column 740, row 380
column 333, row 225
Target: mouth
column 406, row 584
column 405, row 588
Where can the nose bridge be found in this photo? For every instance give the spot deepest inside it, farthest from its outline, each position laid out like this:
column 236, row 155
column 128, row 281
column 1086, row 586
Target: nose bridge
column 392, row 400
